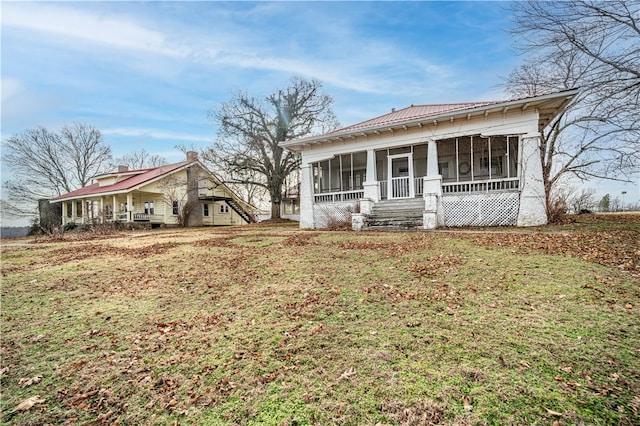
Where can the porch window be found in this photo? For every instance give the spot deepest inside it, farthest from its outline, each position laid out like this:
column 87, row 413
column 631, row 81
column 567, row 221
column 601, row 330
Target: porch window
column 478, row 159
column 205, row 210
column 148, row 207
column 342, row 173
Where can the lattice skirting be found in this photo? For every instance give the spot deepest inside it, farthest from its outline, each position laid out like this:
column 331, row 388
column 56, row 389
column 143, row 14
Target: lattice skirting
column 481, row 209
column 326, row 215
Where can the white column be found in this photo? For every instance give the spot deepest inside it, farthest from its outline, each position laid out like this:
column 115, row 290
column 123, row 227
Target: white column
column 306, row 197
column 371, row 187
column 74, row 210
column 533, row 208
column 432, row 217
column 432, row 158
column 129, row 207
column 114, row 213
column 85, row 214
column 102, row 212
column 64, row 212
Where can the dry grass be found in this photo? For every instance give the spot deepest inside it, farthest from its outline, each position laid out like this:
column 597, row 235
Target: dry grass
column 272, row 325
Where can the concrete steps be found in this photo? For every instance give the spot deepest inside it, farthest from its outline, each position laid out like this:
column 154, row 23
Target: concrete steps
column 396, row 214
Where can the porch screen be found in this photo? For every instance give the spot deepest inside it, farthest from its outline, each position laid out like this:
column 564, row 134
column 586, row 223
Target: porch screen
column 477, row 158
column 342, row 173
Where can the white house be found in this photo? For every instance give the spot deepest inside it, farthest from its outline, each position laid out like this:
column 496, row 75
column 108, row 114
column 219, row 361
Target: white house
column 470, row 164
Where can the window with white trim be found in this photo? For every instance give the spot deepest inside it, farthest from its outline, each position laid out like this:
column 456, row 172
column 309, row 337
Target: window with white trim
column 205, row 210
column 175, row 208
column 224, row 208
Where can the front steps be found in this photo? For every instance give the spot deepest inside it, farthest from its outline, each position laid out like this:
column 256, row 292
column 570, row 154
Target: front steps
column 396, row 214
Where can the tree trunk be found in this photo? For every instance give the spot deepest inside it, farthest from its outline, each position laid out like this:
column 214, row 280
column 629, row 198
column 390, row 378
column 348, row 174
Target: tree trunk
column 275, row 210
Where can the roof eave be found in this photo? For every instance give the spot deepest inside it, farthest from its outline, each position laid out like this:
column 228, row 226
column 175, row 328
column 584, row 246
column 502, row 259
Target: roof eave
column 297, row 144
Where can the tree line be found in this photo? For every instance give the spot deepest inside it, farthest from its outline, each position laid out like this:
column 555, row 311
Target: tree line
column 46, row 163
column 590, row 45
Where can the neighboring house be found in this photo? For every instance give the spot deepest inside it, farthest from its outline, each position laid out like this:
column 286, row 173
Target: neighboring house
column 290, row 205
column 165, row 195
column 471, row 164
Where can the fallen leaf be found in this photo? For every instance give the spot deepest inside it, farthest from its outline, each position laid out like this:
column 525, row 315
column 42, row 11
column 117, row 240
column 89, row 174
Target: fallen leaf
column 525, row 363
column 554, row 413
column 100, row 420
column 28, row 382
column 467, row 403
column 635, row 404
column 347, row 373
column 28, row 403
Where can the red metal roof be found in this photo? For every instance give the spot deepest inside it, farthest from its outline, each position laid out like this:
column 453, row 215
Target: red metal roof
column 144, row 176
column 413, row 112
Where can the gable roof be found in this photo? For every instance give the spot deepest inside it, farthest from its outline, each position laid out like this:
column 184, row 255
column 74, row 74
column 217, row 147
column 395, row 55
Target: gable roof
column 137, row 178
column 548, row 105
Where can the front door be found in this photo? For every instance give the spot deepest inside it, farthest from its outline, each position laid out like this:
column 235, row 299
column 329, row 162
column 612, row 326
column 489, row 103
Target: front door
column 400, row 176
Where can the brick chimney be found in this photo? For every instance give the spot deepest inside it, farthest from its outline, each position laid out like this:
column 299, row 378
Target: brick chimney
column 123, row 168
column 192, row 156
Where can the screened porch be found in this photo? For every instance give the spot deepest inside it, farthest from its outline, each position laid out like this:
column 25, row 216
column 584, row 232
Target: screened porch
column 468, row 164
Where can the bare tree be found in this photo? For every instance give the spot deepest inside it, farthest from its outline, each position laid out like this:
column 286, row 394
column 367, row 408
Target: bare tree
column 594, row 46
column 583, row 201
column 175, row 194
column 250, row 131
column 139, row 160
column 46, row 164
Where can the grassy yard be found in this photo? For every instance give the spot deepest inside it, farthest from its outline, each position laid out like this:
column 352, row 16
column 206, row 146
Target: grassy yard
column 277, row 326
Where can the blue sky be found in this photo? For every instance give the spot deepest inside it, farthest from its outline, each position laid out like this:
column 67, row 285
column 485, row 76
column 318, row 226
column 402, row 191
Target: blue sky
column 146, row 74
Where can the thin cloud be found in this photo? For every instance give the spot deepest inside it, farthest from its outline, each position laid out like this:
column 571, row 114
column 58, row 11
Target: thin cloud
column 114, row 31
column 154, row 134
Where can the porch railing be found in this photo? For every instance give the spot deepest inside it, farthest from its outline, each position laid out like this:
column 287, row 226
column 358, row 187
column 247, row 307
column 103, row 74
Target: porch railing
column 144, row 217
column 468, row 187
column 383, row 189
column 418, row 185
column 400, row 187
column 509, row 184
column 332, row 197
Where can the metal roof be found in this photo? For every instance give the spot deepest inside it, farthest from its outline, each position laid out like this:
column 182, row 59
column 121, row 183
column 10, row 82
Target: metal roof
column 411, row 113
column 137, row 178
column 549, row 105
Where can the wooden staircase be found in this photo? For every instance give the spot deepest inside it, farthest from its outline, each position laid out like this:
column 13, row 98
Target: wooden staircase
column 396, row 214
column 238, row 209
